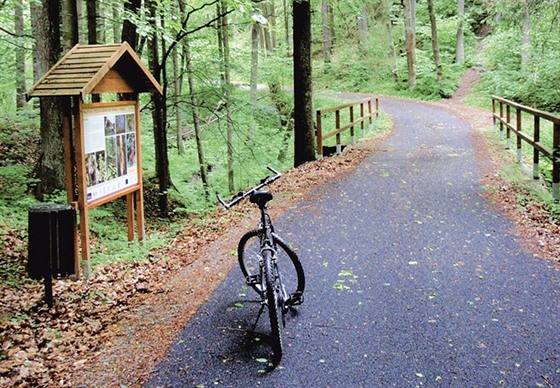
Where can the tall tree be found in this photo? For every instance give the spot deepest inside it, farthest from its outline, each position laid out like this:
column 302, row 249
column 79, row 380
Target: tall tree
column 254, row 69
column 385, row 10
column 91, row 7
column 131, row 8
column 159, row 113
column 50, row 169
column 179, row 55
column 268, row 29
column 21, row 86
column 435, row 46
column 410, row 39
column 525, row 34
column 362, row 26
column 117, row 28
column 226, row 87
column 177, row 85
column 196, row 118
column 327, row 23
column 91, row 11
column 70, row 34
column 304, row 139
column 286, row 25
column 460, row 47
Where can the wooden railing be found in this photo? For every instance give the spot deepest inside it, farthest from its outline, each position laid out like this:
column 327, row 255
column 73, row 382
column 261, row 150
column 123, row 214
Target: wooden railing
column 503, row 120
column 364, row 115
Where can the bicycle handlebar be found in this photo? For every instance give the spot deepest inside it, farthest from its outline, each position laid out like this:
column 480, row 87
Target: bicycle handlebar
column 242, row 195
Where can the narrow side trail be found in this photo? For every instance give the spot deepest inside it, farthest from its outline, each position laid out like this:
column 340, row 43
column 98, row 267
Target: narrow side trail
column 413, row 278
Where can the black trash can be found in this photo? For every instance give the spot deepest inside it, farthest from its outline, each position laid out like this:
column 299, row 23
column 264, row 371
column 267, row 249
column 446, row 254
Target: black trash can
column 51, row 241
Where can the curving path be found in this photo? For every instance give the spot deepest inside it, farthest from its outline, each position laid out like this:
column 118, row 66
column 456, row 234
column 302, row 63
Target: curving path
column 412, row 279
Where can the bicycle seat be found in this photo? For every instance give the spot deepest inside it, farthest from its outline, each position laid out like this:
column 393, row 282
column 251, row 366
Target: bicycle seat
column 260, row 197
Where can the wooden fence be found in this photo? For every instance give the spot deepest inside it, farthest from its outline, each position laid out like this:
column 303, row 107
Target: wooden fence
column 503, row 120
column 368, row 103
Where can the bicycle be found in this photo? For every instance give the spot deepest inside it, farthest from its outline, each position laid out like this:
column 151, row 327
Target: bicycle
column 261, row 254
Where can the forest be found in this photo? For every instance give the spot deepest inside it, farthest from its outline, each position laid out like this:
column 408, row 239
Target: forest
column 241, row 80
column 227, row 70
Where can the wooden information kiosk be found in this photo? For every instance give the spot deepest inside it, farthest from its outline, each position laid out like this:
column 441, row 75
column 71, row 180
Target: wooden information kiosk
column 102, row 139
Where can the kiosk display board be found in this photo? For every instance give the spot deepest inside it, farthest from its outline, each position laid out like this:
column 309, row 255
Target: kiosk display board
column 110, row 147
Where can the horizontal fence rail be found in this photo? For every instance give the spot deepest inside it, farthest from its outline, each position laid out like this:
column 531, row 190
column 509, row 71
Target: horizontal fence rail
column 502, row 119
column 370, row 103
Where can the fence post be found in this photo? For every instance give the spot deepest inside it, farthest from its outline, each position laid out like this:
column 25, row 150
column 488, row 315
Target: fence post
column 501, row 120
column 352, row 127
column 362, row 125
column 508, row 130
column 518, row 139
column 536, row 153
column 556, row 162
column 319, row 135
column 370, row 114
column 337, row 125
column 494, row 114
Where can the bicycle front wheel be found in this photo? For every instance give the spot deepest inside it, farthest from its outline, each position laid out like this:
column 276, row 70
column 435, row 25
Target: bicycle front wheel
column 271, row 284
column 291, row 270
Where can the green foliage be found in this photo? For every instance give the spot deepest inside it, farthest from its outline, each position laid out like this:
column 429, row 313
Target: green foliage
column 531, row 83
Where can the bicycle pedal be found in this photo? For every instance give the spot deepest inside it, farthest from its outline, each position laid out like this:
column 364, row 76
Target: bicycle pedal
column 253, row 280
column 296, row 299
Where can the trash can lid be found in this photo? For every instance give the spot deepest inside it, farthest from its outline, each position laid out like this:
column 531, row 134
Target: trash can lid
column 50, row 208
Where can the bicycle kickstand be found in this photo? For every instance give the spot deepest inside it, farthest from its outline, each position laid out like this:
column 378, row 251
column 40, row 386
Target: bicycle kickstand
column 258, row 317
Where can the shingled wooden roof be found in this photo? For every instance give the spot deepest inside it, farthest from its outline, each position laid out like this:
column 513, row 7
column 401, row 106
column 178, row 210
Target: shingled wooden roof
column 85, row 69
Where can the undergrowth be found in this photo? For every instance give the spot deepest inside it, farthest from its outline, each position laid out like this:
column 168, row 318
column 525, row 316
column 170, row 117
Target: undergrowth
column 256, row 144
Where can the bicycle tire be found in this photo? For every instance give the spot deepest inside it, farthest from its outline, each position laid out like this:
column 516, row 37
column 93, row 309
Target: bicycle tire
column 248, row 254
column 273, row 306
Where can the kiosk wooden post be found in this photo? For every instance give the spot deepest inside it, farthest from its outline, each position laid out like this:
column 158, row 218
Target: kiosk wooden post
column 92, row 151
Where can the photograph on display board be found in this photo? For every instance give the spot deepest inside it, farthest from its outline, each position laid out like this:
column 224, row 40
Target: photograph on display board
column 110, row 145
column 121, row 159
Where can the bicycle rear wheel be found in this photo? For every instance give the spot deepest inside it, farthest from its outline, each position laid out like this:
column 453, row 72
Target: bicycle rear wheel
column 291, row 270
column 271, row 284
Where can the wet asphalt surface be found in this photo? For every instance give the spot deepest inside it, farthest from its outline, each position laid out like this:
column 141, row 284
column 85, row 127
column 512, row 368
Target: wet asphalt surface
column 412, row 280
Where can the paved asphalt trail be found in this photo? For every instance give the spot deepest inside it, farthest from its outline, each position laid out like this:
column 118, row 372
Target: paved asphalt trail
column 433, row 288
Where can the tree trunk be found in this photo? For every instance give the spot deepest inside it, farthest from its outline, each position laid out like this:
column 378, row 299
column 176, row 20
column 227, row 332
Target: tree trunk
column 159, row 117
column 117, row 30
column 385, row 10
column 226, row 86
column 21, row 86
column 100, row 16
column 50, row 169
column 129, row 28
column 69, row 24
column 362, row 26
column 525, row 35
column 266, row 35
column 286, row 114
column 91, row 6
column 272, row 24
column 327, row 27
column 304, row 139
column 178, row 81
column 196, row 121
column 286, row 26
column 435, row 47
column 410, row 40
column 460, row 48
column 81, row 11
column 254, row 72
